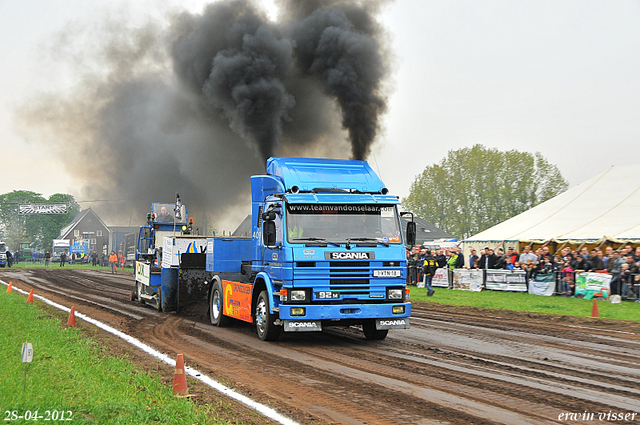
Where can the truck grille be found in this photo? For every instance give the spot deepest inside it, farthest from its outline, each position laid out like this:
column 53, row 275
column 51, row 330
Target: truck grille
column 349, row 277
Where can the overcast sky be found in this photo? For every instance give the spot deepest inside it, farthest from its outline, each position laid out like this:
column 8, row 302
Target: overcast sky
column 560, row 78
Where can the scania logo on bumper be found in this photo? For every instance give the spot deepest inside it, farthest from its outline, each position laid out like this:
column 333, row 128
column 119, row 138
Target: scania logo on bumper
column 302, row 326
column 400, row 323
column 349, row 256
column 393, row 322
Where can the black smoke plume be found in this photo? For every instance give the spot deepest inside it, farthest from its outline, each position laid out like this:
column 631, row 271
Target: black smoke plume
column 344, row 54
column 197, row 106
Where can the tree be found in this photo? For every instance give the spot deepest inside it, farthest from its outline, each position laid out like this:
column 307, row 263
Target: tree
column 473, row 189
column 40, row 229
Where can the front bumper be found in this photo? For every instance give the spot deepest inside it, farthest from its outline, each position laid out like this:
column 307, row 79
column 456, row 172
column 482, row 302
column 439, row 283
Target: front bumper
column 344, row 311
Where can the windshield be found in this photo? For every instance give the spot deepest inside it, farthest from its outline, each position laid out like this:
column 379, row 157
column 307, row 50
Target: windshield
column 3, row 247
column 337, row 223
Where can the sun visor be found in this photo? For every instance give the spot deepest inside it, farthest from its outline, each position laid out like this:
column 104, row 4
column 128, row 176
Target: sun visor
column 316, row 174
column 338, row 198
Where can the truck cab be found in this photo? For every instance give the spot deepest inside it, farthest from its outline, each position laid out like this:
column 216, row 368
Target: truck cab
column 81, row 249
column 59, row 246
column 327, row 249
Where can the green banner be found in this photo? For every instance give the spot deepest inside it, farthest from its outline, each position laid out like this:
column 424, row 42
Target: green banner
column 589, row 284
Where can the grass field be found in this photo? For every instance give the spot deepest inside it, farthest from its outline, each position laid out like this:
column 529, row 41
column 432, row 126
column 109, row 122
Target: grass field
column 73, row 376
column 522, row 301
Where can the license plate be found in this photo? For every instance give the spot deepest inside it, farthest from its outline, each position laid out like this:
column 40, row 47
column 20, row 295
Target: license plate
column 386, row 273
column 326, row 295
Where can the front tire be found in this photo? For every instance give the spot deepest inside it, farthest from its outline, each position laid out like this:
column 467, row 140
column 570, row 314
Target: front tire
column 265, row 320
column 371, row 333
column 216, row 306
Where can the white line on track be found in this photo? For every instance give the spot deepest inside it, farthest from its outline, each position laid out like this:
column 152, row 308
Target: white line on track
column 261, row 408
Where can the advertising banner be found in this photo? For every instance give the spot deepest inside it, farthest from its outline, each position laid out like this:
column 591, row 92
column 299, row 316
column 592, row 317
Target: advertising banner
column 440, row 279
column 173, row 247
column 237, row 300
column 506, row 280
column 143, row 273
column 543, row 284
column 467, row 280
column 592, row 282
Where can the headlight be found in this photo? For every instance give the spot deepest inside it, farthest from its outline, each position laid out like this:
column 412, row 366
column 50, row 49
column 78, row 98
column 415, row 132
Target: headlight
column 298, row 295
column 395, row 294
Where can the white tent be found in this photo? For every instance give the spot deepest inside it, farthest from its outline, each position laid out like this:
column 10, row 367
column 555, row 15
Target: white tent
column 606, row 207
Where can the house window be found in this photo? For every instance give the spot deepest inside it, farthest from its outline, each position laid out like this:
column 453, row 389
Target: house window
column 98, row 232
column 76, row 233
column 93, row 241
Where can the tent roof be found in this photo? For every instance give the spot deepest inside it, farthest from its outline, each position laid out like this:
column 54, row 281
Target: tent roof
column 605, row 206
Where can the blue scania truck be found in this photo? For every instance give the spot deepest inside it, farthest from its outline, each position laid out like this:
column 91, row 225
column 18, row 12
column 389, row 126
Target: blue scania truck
column 327, row 249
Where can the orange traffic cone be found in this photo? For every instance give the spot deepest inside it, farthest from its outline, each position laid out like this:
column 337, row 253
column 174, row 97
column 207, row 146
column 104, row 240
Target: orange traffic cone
column 72, row 317
column 179, row 378
column 594, row 309
column 30, row 297
column 10, row 287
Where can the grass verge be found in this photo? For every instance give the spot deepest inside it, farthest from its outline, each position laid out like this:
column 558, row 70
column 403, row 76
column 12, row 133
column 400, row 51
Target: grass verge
column 523, row 301
column 70, row 372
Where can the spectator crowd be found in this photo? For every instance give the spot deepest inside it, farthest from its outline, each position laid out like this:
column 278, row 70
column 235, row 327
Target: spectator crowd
column 623, row 264
column 72, row 258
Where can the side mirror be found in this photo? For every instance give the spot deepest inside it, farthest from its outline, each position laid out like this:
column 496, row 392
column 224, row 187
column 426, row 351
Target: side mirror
column 411, row 233
column 269, row 215
column 269, row 233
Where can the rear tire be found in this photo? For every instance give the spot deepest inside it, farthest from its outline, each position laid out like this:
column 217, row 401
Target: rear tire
column 371, row 333
column 265, row 320
column 216, row 306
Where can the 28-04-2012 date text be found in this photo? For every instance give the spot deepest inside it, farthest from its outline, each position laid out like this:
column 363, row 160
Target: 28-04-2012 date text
column 36, row 415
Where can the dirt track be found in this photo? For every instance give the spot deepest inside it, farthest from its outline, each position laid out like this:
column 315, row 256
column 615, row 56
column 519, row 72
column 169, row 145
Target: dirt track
column 454, row 365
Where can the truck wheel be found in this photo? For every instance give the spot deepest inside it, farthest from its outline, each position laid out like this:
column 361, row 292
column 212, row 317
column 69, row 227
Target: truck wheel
column 371, row 333
column 139, row 292
column 265, row 327
column 216, row 303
